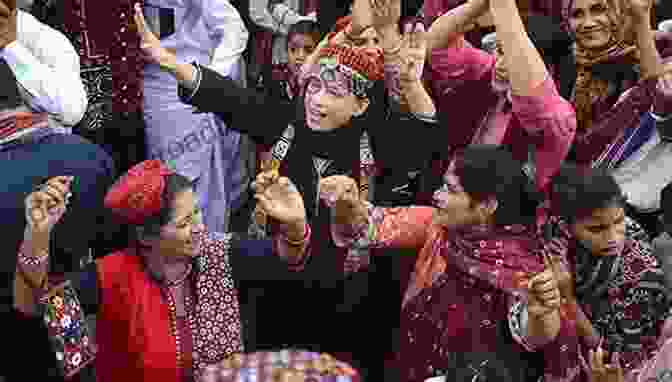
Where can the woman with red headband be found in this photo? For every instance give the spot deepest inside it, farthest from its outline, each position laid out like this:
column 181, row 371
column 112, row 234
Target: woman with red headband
column 166, row 306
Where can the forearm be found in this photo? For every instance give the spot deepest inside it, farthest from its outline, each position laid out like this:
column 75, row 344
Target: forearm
column 31, row 271
column 526, row 68
column 293, row 242
column 584, row 327
column 650, row 62
column 417, row 98
column 453, row 24
column 542, row 330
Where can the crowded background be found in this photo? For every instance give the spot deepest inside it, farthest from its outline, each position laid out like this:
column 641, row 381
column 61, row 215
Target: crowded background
column 336, row 190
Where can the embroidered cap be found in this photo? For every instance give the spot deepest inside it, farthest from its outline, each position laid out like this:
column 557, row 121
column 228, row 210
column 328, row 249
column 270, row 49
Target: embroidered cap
column 362, row 66
column 139, row 193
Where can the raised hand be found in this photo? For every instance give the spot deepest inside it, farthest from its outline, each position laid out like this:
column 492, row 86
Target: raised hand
column 639, row 10
column 544, row 296
column 385, row 13
column 599, row 372
column 279, row 198
column 149, row 43
column 341, row 193
column 413, row 52
column 45, row 207
column 8, row 13
column 564, row 278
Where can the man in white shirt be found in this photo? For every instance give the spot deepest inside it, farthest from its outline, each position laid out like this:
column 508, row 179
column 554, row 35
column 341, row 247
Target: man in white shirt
column 44, row 63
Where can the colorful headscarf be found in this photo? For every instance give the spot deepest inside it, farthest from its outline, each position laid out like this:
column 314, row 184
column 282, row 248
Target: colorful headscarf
column 621, row 49
column 139, row 194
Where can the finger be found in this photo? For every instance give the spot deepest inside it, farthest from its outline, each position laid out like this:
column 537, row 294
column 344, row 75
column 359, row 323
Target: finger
column 54, row 195
column 140, row 21
column 264, row 202
column 542, row 278
column 418, row 35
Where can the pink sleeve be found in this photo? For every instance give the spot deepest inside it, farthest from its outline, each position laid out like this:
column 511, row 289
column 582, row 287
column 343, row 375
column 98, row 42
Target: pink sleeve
column 551, row 122
column 451, row 67
column 402, row 227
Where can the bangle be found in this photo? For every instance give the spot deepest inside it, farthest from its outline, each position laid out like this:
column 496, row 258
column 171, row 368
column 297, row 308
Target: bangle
column 168, row 67
column 33, row 261
column 298, row 243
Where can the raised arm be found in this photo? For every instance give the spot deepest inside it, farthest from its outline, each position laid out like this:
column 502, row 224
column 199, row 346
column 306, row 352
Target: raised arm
column 211, row 92
column 44, row 209
column 357, row 224
column 526, row 68
column 452, row 25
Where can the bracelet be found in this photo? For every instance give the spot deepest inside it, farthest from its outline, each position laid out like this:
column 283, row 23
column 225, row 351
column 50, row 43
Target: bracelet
column 33, row 261
column 298, row 243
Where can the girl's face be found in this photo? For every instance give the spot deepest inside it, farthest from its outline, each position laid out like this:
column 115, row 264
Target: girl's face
column 177, row 237
column 603, row 232
column 329, row 102
column 590, row 22
column 299, row 47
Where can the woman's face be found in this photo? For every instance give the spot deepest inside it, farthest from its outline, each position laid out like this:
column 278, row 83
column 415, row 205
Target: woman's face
column 455, row 207
column 590, row 22
column 177, row 237
column 368, row 39
column 329, row 102
column 299, row 47
column 603, row 232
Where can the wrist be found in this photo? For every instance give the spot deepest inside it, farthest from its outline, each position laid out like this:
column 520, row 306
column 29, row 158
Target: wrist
column 296, row 231
column 168, row 61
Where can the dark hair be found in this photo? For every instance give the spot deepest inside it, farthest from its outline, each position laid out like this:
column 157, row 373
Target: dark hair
column 10, row 97
column 487, row 171
column 175, row 184
column 578, row 191
column 304, row 27
column 550, row 39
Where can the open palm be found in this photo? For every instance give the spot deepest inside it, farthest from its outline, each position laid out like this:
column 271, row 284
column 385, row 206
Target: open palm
column 413, row 53
column 281, row 200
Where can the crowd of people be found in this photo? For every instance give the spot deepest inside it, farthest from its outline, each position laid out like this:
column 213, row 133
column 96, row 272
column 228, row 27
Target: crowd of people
column 363, row 190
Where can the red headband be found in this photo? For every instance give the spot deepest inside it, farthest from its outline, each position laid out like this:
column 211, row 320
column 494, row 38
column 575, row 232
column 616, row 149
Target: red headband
column 139, row 193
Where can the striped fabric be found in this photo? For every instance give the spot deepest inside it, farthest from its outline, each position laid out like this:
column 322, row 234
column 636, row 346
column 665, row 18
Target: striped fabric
column 16, row 124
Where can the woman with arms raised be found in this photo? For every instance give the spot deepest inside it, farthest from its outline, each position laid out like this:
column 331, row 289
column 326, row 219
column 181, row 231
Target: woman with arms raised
column 519, row 105
column 166, row 306
column 465, row 294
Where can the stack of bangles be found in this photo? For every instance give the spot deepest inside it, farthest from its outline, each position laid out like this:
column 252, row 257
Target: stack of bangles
column 30, row 260
column 298, row 243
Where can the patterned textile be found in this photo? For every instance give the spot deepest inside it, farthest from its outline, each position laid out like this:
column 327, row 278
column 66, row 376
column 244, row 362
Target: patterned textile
column 111, row 62
column 463, row 293
column 623, row 296
column 139, row 194
column 15, row 124
column 215, row 326
column 276, row 366
column 68, row 330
